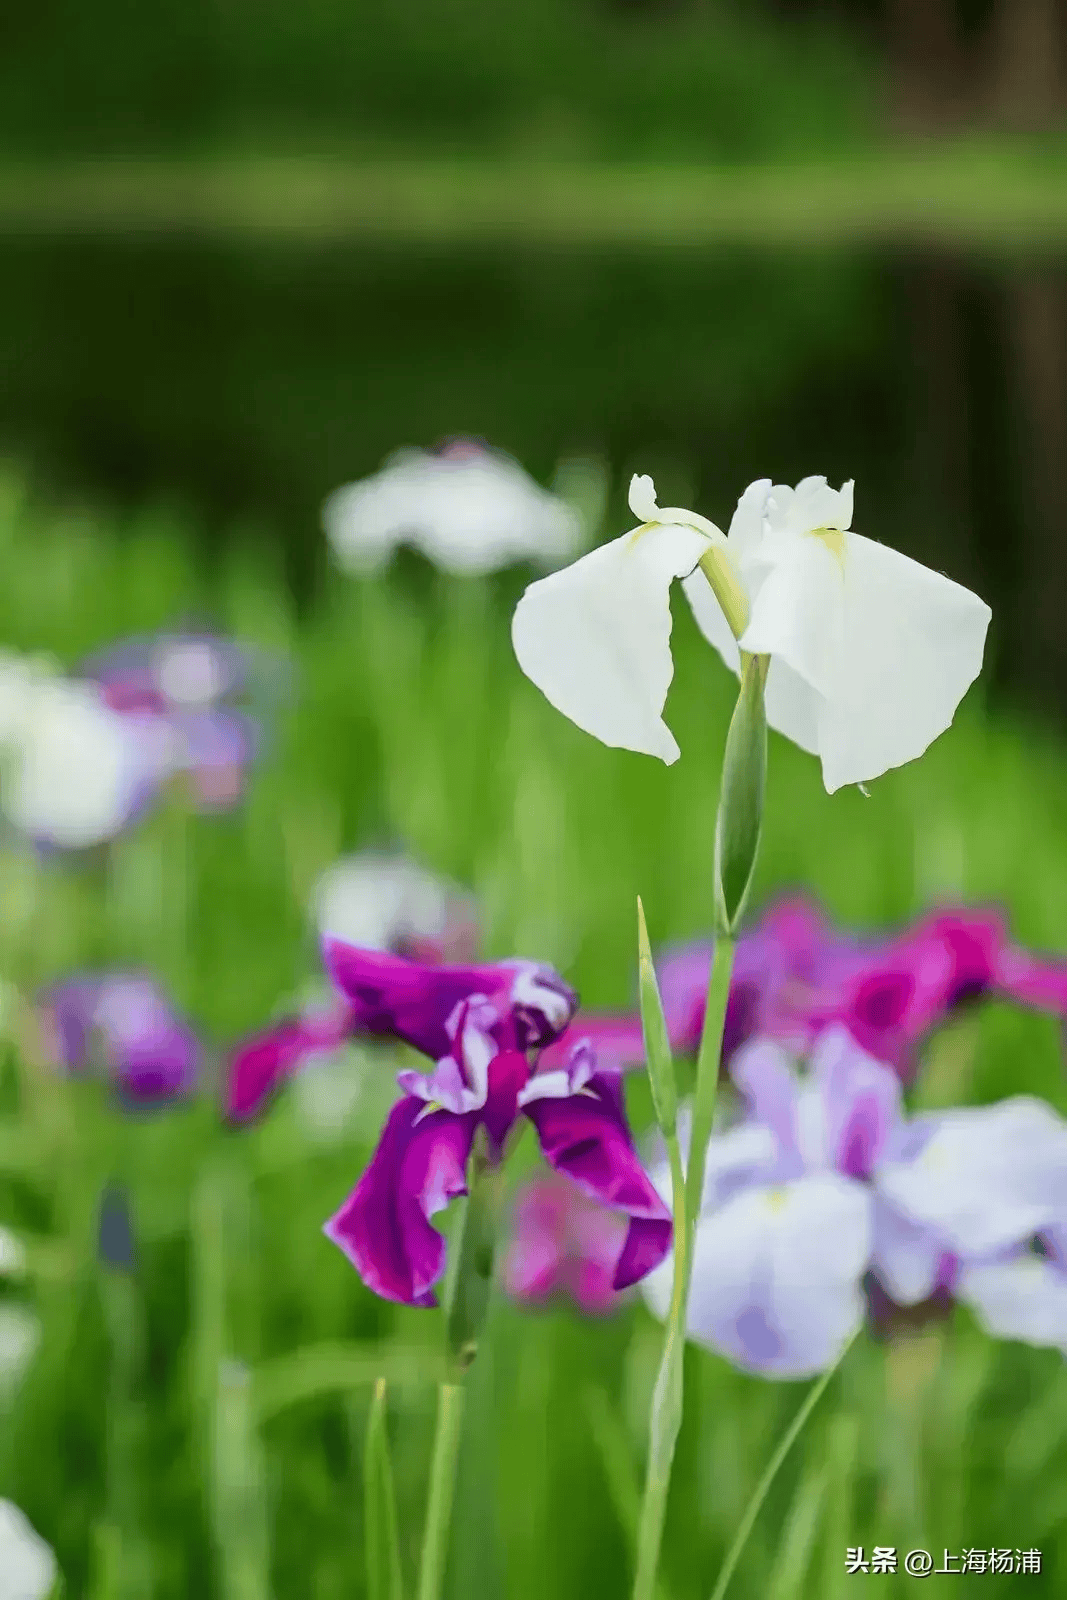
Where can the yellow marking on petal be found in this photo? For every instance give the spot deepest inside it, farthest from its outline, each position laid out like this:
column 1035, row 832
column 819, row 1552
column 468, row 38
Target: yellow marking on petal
column 777, row 1199
column 727, row 588
column 834, row 540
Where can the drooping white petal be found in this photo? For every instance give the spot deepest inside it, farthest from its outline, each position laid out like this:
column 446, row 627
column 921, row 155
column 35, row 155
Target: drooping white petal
column 1024, row 1298
column 987, row 1177
column 798, row 615
column 28, row 1568
column 912, row 646
column 776, row 1275
column 595, row 637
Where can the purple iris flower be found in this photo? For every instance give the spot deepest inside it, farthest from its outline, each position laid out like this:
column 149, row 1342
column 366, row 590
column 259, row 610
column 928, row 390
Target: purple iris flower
column 825, row 1183
column 124, row 1023
column 483, row 1028
column 562, row 1243
column 397, row 908
column 794, row 976
column 188, row 684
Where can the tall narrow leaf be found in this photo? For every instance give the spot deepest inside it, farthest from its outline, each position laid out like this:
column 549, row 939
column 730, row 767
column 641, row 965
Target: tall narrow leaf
column 384, row 1580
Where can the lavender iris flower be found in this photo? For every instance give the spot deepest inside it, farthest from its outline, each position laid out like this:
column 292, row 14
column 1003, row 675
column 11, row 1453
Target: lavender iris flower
column 188, row 685
column 483, row 1028
column 795, row 976
column 125, row 1022
column 825, row 1182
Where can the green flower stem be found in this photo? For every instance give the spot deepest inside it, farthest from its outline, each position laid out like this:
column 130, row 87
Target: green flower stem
column 667, row 1397
column 811, row 1400
column 666, row 1417
column 707, row 1085
column 442, row 1489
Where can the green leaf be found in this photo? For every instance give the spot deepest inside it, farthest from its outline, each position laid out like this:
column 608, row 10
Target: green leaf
column 335, row 1368
column 467, row 1299
column 798, row 1537
column 658, row 1058
column 384, row 1579
column 740, row 818
column 620, row 1474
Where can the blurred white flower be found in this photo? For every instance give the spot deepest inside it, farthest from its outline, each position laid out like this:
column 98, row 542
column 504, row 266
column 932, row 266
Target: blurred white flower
column 28, row 1567
column 383, row 901
column 20, row 1335
column 12, row 1255
column 328, row 1090
column 75, row 771
column 470, row 510
column 871, row 653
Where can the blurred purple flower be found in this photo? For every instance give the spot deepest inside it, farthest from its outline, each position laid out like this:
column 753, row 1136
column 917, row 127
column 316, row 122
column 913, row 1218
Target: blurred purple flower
column 124, row 1023
column 795, row 976
column 481, row 1026
column 563, row 1243
column 186, row 684
column 825, row 1182
column 379, row 901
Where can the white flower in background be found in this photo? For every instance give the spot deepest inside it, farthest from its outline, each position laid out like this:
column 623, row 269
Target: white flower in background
column 470, row 510
column 12, row 1255
column 28, row 1567
column 75, row 770
column 383, row 901
column 20, row 1335
column 870, row 653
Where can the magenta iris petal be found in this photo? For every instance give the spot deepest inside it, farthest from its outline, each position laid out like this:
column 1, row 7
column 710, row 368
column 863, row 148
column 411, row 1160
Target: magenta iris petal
column 399, row 999
column 384, row 1226
column 585, row 1137
column 562, row 1243
column 617, row 1041
column 262, row 1063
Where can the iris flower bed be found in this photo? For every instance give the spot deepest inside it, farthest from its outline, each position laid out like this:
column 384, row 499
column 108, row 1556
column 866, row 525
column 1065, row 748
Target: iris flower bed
column 213, row 1400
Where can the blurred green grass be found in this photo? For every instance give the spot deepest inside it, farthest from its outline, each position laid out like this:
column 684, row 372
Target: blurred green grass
column 987, row 192
column 411, row 720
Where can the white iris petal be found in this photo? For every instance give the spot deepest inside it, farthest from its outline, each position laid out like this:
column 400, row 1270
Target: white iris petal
column 596, row 637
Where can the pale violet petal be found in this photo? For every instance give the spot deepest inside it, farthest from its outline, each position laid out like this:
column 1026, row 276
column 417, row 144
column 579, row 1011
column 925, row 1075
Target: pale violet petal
column 776, row 1275
column 987, row 1177
column 595, row 637
column 905, row 1255
column 1025, row 1299
column 912, row 645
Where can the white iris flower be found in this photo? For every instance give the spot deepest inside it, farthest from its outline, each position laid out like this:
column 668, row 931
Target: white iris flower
column 870, row 652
